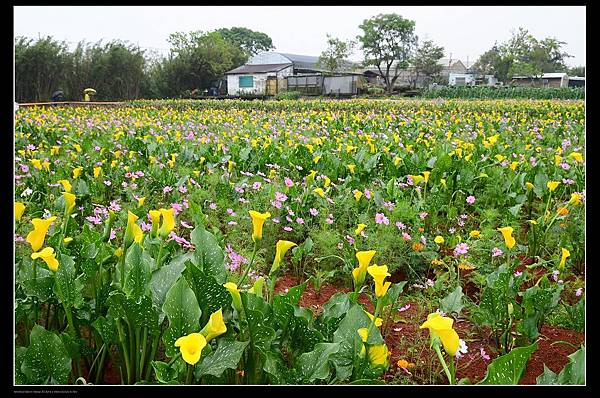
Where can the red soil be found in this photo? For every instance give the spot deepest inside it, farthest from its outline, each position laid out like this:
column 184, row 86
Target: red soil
column 406, row 341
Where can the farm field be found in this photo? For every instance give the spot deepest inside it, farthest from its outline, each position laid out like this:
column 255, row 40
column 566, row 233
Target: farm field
column 301, row 242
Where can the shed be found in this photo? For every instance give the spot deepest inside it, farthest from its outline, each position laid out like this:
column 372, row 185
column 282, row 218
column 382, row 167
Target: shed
column 546, row 80
column 576, row 81
column 341, row 84
column 461, row 79
column 259, row 79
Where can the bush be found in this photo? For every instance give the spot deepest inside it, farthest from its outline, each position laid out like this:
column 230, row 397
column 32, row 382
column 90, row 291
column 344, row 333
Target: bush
column 482, row 92
column 288, row 95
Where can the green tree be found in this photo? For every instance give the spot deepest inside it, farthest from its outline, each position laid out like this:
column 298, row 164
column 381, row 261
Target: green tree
column 523, row 55
column 251, row 42
column 577, row 71
column 387, row 42
column 195, row 61
column 425, row 62
column 333, row 58
column 40, row 68
column 492, row 62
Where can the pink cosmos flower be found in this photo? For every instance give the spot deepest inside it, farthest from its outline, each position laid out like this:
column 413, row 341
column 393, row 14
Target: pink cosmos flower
column 288, row 182
column 484, row 355
column 287, row 229
column 461, row 248
column 579, row 292
column 256, row 185
column 497, row 252
column 380, row 218
column 300, row 220
column 406, row 236
column 400, row 225
column 350, row 240
column 280, row 197
column 145, row 226
column 471, row 199
column 167, row 189
column 276, row 204
column 313, row 212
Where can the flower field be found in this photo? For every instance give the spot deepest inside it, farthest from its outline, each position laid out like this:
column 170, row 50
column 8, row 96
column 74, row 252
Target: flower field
column 301, row 242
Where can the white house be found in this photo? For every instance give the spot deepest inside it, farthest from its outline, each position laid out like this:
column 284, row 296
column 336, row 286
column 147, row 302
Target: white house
column 461, row 79
column 257, row 79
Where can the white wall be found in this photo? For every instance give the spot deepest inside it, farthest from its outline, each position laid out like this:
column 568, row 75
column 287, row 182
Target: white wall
column 259, row 79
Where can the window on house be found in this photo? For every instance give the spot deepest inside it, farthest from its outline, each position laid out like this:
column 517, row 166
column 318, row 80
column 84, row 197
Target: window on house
column 246, row 81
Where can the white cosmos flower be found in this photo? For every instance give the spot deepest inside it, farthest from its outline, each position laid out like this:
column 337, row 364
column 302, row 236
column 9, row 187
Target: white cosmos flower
column 462, row 349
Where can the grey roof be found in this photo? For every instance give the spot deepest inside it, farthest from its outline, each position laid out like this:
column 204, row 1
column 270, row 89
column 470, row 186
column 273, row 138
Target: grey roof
column 301, row 58
column 260, row 68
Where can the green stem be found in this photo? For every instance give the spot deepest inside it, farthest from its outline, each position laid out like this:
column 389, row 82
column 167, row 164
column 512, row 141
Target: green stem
column 158, row 259
column 100, row 369
column 122, row 268
column 190, row 372
column 132, row 354
column 443, row 362
column 142, row 361
column 155, row 340
column 249, row 265
column 123, row 347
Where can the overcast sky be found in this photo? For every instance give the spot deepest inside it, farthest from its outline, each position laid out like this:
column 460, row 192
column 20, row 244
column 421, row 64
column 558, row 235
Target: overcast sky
column 464, row 31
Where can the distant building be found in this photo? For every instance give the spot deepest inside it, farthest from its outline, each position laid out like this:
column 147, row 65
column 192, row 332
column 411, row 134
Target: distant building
column 546, row 80
column 576, row 81
column 269, row 73
column 263, row 79
column 408, row 77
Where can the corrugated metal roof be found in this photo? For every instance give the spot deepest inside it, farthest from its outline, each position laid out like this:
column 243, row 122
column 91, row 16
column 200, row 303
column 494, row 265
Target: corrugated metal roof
column 260, row 68
column 544, row 76
column 301, row 58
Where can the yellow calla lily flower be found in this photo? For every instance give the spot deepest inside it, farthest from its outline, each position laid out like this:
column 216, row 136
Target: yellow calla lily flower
column 129, row 230
column 352, row 168
column 359, row 273
column 359, row 228
column 552, row 185
column 529, row 186
column 358, row 195
column 379, row 273
column 66, row 185
column 576, row 198
column 191, row 347
column 443, row 182
column 215, row 326
column 168, row 223
column 417, row 179
column 282, row 247
column 426, row 176
column 258, row 220
column 77, row 172
column 40, row 229
column 563, row 258
column 155, row 216
column 141, row 201
column 319, row 191
column 576, row 156
column 379, row 355
column 19, row 210
column 441, row 326
column 378, row 321
column 232, row 288
column 69, row 202
column 47, row 254
column 509, row 241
